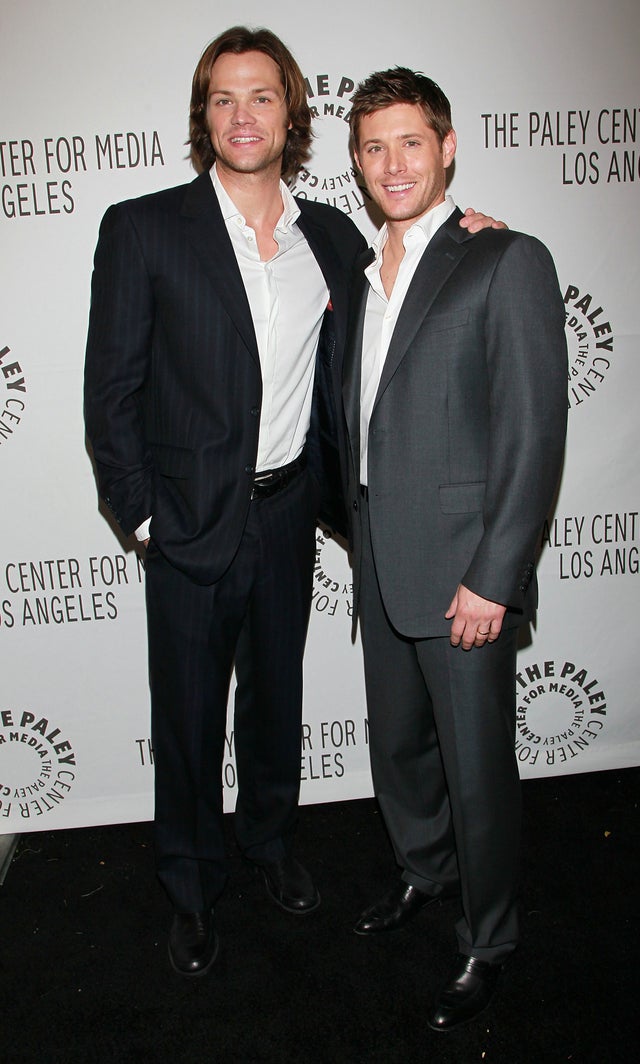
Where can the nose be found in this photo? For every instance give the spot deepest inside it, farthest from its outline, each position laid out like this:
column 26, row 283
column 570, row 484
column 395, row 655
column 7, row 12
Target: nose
column 394, row 161
column 242, row 115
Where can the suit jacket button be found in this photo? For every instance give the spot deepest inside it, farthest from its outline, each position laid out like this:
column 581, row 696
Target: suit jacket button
column 255, row 410
column 355, row 504
column 249, row 470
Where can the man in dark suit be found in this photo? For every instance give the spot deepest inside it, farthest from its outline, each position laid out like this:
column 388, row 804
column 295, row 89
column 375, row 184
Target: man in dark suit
column 213, row 377
column 213, row 366
column 455, row 395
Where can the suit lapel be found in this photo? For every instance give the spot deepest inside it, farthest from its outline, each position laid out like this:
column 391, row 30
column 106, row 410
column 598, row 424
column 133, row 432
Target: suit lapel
column 327, row 259
column 440, row 259
column 207, row 233
column 353, row 353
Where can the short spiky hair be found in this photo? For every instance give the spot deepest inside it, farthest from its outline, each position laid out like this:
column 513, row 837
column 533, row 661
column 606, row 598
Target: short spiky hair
column 400, row 85
column 238, row 40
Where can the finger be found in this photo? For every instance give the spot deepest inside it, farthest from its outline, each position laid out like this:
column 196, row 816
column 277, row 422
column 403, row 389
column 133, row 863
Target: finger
column 457, row 634
column 468, row 638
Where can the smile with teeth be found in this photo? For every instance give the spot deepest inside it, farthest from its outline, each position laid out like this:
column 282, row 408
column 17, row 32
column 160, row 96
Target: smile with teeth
column 400, row 188
column 245, row 140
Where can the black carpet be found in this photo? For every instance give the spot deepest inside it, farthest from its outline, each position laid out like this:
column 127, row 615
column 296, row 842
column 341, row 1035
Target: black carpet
column 85, row 975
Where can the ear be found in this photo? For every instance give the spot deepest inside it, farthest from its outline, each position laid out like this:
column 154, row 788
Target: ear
column 449, row 145
column 356, row 159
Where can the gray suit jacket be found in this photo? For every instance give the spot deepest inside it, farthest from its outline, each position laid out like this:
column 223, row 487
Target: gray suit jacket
column 467, row 433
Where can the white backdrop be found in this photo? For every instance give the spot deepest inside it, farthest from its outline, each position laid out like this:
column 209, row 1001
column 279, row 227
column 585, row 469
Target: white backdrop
column 93, row 109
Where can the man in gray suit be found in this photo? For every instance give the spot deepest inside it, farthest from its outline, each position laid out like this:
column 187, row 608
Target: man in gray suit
column 455, row 392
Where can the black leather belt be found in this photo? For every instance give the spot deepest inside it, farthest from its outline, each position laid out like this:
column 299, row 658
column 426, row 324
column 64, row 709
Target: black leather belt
column 274, row 480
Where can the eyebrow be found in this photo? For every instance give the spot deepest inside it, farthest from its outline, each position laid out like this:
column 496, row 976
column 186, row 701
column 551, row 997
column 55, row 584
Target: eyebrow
column 229, row 92
column 400, row 136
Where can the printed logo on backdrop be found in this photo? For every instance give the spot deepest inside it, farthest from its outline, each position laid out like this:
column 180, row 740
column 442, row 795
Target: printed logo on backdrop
column 561, row 711
column 37, row 766
column 327, row 747
column 589, row 344
column 145, row 759
column 594, row 545
column 593, row 145
column 330, row 176
column 41, row 177
column 56, row 592
column 14, row 394
column 331, row 595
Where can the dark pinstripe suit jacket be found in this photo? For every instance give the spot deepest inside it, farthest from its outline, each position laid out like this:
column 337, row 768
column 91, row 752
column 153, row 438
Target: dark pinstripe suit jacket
column 172, row 378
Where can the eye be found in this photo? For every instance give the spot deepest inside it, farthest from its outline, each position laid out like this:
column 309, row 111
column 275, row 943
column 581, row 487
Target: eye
column 221, row 101
column 263, row 100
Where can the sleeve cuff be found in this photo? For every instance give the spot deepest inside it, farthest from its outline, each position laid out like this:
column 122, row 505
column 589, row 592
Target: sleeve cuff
column 142, row 531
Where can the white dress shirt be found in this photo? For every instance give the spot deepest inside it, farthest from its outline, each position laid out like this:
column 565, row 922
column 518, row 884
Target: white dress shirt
column 288, row 296
column 381, row 314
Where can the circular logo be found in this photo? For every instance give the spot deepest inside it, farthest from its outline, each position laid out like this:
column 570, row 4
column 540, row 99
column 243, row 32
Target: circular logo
column 331, row 594
column 589, row 343
column 12, row 395
column 561, row 710
column 330, row 176
column 37, row 767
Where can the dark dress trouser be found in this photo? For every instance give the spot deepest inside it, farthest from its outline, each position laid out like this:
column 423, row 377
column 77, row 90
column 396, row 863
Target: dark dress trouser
column 442, row 746
column 257, row 614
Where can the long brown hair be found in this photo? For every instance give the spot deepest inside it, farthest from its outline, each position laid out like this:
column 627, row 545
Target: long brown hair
column 238, row 40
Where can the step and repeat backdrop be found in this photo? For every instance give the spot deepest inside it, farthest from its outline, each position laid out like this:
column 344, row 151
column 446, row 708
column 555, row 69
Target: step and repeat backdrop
column 93, row 109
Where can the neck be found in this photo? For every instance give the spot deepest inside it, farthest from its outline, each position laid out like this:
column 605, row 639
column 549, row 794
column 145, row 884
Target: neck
column 395, row 238
column 257, row 196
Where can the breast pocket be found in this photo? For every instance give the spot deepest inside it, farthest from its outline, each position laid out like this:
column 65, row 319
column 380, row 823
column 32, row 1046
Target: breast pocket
column 442, row 321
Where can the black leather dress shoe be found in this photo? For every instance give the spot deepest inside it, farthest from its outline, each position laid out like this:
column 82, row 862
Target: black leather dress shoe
column 290, row 885
column 193, row 943
column 467, row 993
column 399, row 905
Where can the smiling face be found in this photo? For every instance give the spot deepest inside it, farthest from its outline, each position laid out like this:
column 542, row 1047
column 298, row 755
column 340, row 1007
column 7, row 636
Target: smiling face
column 246, row 113
column 403, row 162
